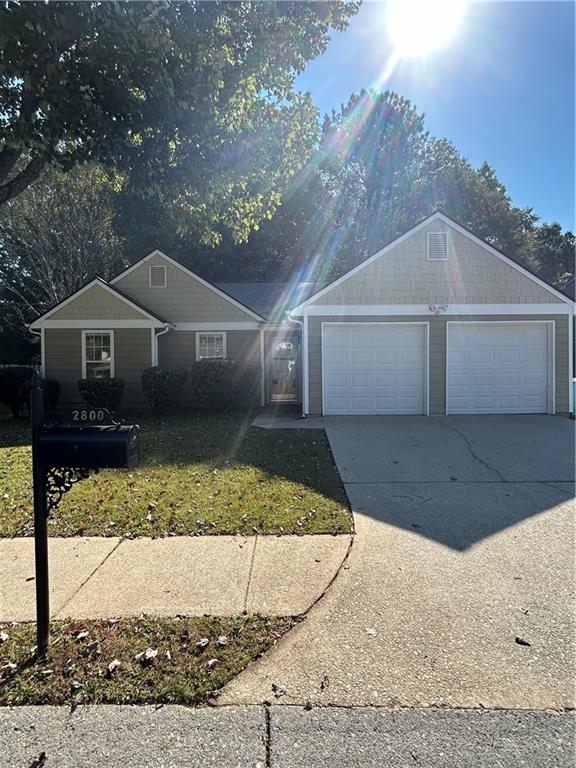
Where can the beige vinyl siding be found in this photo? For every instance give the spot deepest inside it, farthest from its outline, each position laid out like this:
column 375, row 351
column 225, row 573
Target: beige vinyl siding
column 97, row 304
column 471, row 275
column 63, row 355
column 437, row 353
column 184, row 300
column 177, row 349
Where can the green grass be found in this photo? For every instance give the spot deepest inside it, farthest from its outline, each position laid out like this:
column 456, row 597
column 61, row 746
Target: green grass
column 76, row 669
column 197, row 475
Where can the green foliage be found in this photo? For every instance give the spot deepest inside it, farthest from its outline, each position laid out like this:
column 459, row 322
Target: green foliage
column 162, row 386
column 192, row 100
column 102, row 393
column 223, row 385
column 13, row 379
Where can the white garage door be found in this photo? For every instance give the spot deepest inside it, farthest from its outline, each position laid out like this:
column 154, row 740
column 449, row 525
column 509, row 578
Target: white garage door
column 498, row 368
column 374, row 368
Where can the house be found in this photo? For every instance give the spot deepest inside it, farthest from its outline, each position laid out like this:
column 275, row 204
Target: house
column 436, row 322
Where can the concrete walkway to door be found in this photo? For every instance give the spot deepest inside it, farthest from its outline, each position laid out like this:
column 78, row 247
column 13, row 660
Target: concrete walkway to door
column 459, row 588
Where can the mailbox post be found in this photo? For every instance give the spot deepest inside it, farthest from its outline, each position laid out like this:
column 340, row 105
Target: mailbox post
column 62, row 456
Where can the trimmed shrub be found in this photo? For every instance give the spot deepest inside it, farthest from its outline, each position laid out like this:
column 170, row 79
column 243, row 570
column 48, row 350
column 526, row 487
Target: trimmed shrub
column 224, row 385
column 15, row 386
column 13, row 379
column 162, row 386
column 102, row 393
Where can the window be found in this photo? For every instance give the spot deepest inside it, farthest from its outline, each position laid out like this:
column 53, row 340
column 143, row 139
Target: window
column 157, row 276
column 210, row 346
column 437, row 246
column 97, row 354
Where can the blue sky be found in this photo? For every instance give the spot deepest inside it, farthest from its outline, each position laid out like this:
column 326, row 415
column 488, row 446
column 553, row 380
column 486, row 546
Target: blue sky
column 501, row 90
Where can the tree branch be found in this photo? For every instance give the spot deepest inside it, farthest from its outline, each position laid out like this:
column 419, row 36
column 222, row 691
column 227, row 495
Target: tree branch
column 19, row 183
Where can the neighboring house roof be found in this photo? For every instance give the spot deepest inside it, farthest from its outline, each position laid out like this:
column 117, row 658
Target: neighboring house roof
column 437, row 216
column 271, row 299
column 570, row 288
column 99, row 282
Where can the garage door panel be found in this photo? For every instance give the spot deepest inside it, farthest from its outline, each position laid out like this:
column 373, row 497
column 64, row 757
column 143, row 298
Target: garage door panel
column 496, row 368
column 382, row 365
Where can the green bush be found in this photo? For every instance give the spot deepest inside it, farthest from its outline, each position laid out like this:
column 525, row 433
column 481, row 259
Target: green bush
column 15, row 386
column 224, row 385
column 162, row 386
column 102, row 393
column 13, row 379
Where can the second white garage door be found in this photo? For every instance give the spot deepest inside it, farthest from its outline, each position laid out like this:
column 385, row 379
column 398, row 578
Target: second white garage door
column 499, row 367
column 374, row 368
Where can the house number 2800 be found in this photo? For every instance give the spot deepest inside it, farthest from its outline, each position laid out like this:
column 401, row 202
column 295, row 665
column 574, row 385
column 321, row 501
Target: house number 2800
column 89, row 415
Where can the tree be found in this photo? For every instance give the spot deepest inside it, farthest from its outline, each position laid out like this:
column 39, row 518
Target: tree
column 56, row 236
column 192, row 98
column 553, row 253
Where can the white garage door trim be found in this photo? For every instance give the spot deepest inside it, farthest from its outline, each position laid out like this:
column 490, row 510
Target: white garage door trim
column 551, row 326
column 426, row 326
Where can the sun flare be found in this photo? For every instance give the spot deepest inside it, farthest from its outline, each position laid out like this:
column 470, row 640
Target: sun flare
column 417, row 27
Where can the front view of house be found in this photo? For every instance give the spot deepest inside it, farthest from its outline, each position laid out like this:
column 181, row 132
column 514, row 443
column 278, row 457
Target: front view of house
column 436, row 322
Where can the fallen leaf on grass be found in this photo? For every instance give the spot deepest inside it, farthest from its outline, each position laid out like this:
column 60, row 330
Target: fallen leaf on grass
column 113, row 666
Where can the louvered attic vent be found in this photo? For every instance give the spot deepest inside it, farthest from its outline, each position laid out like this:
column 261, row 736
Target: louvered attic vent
column 437, row 246
column 158, row 277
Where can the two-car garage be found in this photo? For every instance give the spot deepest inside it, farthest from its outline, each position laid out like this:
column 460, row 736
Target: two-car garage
column 488, row 367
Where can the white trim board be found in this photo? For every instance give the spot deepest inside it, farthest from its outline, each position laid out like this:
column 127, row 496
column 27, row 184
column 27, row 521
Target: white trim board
column 248, row 326
column 551, row 353
column 88, row 324
column 188, row 272
column 377, row 323
column 96, row 282
column 365, row 310
column 434, row 217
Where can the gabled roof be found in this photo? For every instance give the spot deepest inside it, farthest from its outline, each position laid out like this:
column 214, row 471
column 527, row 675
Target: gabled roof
column 570, row 288
column 98, row 281
column 437, row 216
column 189, row 272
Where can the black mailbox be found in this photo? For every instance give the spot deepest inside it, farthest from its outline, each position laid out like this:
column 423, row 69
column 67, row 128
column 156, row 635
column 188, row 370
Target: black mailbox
column 90, row 447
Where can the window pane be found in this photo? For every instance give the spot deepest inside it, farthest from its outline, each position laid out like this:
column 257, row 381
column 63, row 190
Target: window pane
column 211, row 346
column 98, row 370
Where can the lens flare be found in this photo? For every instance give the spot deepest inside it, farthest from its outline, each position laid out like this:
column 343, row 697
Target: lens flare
column 417, row 27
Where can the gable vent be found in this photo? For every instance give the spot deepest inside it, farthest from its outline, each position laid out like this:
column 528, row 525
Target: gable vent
column 158, row 277
column 437, row 246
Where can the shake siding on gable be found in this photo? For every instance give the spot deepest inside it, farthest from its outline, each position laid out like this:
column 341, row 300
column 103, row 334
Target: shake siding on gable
column 183, row 300
column 471, row 275
column 99, row 304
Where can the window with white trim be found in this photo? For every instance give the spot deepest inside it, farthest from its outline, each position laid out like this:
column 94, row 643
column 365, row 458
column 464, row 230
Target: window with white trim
column 97, row 354
column 437, row 246
column 157, row 275
column 210, row 346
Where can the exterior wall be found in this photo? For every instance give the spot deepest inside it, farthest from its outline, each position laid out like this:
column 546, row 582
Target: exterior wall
column 177, row 349
column 98, row 304
column 471, row 275
column 183, row 300
column 437, row 353
column 132, row 353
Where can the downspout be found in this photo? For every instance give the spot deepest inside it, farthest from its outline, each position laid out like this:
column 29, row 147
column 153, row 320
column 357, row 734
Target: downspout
column 42, row 349
column 304, row 382
column 262, row 369
column 166, row 328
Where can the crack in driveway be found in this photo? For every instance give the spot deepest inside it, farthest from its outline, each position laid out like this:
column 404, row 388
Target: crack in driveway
column 471, row 450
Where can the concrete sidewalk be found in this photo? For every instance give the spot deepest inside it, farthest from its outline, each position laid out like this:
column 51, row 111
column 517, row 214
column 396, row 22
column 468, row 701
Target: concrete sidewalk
column 217, row 575
column 283, row 737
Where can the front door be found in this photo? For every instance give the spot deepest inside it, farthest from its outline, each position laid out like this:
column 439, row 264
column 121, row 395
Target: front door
column 284, row 365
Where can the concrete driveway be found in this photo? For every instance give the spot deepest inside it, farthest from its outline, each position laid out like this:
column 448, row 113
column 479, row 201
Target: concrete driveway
column 459, row 588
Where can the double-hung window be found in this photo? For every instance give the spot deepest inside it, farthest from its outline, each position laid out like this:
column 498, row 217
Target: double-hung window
column 97, row 354
column 210, row 346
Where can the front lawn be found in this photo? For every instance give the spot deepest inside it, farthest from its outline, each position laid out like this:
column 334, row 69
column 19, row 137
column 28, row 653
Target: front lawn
column 197, row 475
column 131, row 661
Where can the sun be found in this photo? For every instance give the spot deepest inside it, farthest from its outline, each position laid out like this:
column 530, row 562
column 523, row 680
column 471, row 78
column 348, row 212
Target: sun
column 417, row 27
